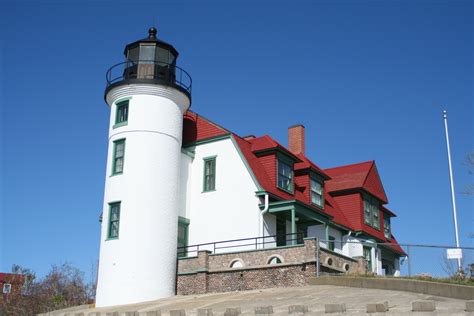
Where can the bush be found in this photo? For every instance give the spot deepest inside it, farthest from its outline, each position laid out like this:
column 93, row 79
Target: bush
column 64, row 286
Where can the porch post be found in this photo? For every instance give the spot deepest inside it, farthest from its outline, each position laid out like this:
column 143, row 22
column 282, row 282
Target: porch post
column 293, row 226
column 326, row 232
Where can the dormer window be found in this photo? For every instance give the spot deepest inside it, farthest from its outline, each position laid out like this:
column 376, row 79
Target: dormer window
column 386, row 227
column 285, row 176
column 317, row 197
column 372, row 212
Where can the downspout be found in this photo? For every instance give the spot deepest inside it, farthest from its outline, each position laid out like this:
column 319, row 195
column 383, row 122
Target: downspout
column 345, row 239
column 260, row 218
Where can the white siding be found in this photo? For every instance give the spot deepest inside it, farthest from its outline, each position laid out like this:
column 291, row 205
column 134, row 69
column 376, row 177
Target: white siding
column 229, row 212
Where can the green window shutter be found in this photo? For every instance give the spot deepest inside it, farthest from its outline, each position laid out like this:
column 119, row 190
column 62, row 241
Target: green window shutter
column 114, row 220
column 118, row 156
column 209, row 176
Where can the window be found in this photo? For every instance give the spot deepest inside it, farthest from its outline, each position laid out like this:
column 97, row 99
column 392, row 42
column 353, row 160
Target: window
column 121, row 114
column 236, row 263
column 367, row 212
column 119, row 153
column 386, row 227
column 331, row 243
column 114, row 221
column 7, row 288
column 372, row 212
column 285, row 176
column 376, row 216
column 183, row 230
column 209, row 174
column 317, row 193
column 274, row 260
column 368, row 257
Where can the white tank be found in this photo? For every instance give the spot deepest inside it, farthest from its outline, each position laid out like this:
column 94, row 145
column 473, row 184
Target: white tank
column 138, row 261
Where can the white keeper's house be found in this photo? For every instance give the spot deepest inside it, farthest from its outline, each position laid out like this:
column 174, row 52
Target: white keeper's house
column 175, row 179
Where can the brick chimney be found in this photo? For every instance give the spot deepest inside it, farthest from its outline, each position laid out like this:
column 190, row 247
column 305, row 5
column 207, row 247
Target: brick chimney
column 296, row 139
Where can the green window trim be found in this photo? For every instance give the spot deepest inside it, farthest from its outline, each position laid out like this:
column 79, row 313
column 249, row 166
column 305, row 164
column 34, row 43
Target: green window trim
column 113, row 221
column 209, row 174
column 121, row 113
column 331, row 243
column 183, row 236
column 316, row 192
column 372, row 212
column 285, row 174
column 118, row 157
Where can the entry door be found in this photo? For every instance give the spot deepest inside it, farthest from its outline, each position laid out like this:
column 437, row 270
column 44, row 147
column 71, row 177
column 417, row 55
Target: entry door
column 368, row 257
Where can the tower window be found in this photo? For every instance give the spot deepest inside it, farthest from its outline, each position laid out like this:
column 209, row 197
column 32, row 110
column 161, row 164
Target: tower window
column 121, row 114
column 317, row 193
column 114, row 221
column 285, row 176
column 119, row 154
column 209, row 174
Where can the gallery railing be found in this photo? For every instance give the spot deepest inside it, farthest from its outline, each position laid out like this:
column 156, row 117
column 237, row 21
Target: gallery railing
column 150, row 70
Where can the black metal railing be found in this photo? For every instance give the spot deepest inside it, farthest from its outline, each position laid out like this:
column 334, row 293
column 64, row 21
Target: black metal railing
column 243, row 244
column 168, row 74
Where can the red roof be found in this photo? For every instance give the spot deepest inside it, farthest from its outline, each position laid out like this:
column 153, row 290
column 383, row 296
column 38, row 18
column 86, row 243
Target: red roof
column 260, row 154
column 196, row 128
column 308, row 164
column 11, row 278
column 394, row 246
column 362, row 175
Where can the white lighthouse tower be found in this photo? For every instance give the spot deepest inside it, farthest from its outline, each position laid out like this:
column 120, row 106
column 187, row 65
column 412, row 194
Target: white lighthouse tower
column 148, row 95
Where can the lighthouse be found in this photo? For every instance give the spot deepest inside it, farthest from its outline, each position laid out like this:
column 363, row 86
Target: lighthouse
column 147, row 95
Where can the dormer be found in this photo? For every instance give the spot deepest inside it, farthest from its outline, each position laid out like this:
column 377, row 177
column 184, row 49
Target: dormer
column 278, row 162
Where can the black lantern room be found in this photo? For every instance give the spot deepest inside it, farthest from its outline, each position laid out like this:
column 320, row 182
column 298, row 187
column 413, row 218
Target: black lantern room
column 150, row 60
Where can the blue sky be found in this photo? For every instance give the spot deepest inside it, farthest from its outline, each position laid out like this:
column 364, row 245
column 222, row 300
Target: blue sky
column 368, row 79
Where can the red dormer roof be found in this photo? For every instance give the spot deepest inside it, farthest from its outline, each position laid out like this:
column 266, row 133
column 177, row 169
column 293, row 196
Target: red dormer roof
column 307, row 164
column 362, row 175
column 389, row 212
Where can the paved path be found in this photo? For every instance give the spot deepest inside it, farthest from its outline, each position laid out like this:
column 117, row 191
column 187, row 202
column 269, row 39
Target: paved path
column 313, row 296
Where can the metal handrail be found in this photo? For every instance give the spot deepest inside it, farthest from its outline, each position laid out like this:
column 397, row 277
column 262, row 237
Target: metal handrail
column 255, row 242
column 177, row 75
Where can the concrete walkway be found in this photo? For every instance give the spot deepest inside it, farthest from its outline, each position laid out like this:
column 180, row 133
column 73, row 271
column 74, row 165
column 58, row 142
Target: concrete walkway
column 314, row 297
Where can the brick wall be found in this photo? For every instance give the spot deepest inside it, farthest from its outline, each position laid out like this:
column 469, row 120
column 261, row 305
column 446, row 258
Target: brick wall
column 208, row 273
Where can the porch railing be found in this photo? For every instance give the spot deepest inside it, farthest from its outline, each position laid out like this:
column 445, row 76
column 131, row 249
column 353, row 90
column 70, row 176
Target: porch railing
column 253, row 243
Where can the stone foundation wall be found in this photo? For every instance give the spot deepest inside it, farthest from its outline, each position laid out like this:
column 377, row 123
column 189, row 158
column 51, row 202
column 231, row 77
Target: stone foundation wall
column 256, row 269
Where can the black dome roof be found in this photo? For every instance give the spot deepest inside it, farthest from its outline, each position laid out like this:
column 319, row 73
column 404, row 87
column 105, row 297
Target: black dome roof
column 152, row 39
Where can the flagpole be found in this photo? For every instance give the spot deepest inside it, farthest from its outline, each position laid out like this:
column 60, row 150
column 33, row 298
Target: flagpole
column 453, row 197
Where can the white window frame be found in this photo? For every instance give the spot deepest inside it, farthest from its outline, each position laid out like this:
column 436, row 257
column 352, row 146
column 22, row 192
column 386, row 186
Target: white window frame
column 7, row 288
